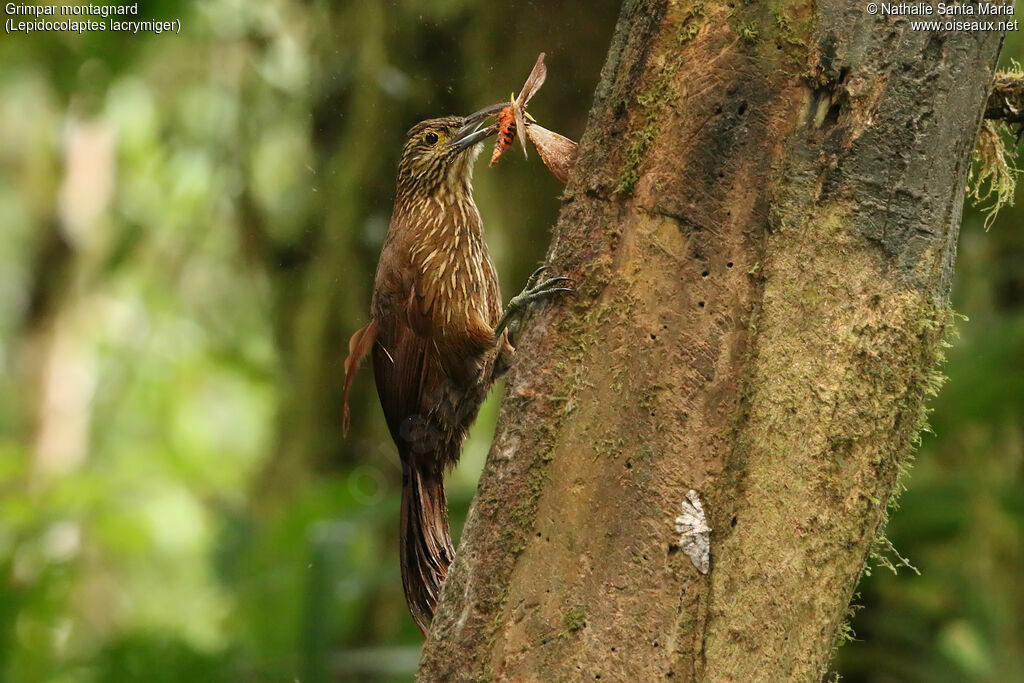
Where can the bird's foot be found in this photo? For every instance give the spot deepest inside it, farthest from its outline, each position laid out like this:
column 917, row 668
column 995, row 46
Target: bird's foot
column 535, row 289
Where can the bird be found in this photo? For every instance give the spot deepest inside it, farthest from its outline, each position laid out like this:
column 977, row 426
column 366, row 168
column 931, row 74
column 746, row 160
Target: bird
column 438, row 334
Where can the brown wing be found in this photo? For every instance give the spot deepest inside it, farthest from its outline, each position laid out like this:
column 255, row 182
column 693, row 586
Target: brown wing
column 556, row 151
column 533, row 81
column 430, row 390
column 409, row 376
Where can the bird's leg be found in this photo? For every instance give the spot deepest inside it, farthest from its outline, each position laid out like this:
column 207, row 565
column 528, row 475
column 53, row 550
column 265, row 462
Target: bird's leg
column 535, row 289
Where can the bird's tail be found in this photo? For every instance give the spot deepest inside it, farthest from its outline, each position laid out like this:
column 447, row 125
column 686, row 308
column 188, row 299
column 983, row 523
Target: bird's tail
column 425, row 542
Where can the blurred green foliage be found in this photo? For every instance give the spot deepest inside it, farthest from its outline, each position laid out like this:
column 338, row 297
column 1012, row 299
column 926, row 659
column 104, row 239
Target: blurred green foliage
column 190, row 227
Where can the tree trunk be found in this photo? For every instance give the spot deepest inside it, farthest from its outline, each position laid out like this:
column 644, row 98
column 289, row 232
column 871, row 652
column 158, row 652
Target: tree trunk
column 762, row 226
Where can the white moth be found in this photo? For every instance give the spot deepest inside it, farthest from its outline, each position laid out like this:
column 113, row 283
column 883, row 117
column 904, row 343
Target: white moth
column 694, row 532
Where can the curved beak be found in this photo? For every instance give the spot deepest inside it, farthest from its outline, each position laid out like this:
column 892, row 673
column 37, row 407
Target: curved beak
column 471, row 132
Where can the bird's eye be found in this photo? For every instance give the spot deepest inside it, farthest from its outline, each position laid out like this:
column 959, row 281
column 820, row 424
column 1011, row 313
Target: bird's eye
column 431, row 138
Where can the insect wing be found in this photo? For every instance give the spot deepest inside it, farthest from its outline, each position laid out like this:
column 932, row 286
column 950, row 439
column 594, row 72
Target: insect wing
column 556, row 151
column 530, row 88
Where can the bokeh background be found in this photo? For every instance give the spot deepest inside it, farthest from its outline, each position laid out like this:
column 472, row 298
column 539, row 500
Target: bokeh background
column 188, row 230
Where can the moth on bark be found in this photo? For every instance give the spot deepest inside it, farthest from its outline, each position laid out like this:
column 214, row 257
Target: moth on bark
column 694, row 532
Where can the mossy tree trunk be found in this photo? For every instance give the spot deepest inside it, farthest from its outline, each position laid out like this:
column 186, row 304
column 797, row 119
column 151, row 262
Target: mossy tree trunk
column 762, row 225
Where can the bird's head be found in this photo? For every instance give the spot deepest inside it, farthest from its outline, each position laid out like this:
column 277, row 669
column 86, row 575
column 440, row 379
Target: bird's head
column 439, row 153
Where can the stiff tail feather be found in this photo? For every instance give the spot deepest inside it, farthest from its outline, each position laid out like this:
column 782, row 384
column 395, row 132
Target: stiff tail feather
column 358, row 346
column 425, row 542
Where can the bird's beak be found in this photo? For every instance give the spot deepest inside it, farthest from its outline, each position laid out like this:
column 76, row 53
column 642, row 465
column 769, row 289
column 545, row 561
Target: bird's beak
column 471, row 133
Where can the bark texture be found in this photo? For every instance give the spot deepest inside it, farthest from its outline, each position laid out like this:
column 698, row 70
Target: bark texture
column 762, row 226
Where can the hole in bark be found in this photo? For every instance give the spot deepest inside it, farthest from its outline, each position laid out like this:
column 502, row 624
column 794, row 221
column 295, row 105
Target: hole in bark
column 705, row 274
column 701, row 304
column 742, row 109
column 539, row 534
column 629, row 465
column 729, row 264
column 721, row 175
column 732, row 522
column 832, row 117
column 777, row 46
column 718, row 110
column 672, row 549
column 655, row 643
column 613, row 649
column 653, row 336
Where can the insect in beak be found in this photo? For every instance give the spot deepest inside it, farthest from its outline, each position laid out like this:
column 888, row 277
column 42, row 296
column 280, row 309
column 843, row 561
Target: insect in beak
column 471, row 132
column 556, row 151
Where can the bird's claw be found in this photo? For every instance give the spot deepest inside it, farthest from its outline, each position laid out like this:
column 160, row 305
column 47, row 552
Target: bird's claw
column 533, row 291
column 532, row 280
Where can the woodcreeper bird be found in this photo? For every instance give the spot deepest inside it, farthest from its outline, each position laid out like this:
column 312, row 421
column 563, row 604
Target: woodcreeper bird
column 438, row 334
